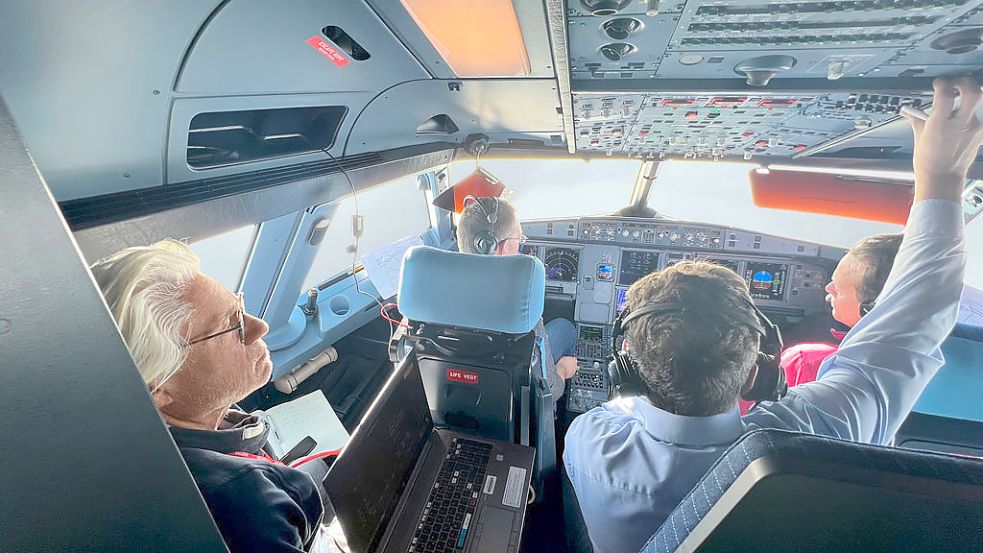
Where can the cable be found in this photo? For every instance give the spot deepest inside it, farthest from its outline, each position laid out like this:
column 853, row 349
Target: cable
column 316, row 456
column 357, row 235
column 383, row 313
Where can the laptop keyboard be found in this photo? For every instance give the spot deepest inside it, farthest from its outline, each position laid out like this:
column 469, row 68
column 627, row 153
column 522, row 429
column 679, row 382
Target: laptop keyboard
column 450, row 508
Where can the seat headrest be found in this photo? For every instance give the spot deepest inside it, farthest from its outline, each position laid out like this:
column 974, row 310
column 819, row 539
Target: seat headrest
column 484, row 292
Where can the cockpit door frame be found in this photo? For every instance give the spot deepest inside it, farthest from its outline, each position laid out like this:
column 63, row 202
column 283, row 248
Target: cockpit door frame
column 88, row 465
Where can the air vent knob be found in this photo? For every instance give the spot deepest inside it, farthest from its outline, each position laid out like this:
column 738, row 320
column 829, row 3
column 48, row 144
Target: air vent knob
column 617, row 50
column 604, row 7
column 961, row 42
column 761, row 70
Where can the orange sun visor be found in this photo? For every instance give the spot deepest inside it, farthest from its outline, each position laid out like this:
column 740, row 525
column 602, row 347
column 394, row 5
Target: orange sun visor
column 477, row 38
column 480, row 184
column 830, row 194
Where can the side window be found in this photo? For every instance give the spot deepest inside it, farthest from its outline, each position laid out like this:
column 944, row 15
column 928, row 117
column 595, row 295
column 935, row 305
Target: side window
column 224, row 256
column 389, row 211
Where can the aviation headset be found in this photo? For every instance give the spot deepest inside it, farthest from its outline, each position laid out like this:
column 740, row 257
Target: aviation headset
column 769, row 385
column 484, row 242
column 866, row 306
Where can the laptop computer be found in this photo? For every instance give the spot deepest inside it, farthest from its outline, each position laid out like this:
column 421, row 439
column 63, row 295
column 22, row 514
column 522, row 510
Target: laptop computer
column 402, row 485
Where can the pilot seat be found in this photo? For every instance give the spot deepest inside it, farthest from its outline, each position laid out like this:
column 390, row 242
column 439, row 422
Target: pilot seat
column 471, row 321
column 786, row 491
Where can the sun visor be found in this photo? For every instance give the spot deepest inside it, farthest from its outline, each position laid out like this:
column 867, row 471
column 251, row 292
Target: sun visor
column 843, row 195
column 480, row 184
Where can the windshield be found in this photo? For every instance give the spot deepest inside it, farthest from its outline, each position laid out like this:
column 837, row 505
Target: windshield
column 719, row 193
column 551, row 188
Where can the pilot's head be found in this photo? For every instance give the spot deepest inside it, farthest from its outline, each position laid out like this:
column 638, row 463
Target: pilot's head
column 860, row 276
column 695, row 363
column 195, row 347
column 491, row 224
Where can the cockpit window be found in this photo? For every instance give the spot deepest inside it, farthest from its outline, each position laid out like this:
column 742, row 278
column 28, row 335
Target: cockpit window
column 550, row 188
column 719, row 193
column 224, row 256
column 389, row 211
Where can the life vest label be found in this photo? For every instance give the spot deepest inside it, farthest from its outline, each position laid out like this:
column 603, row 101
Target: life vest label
column 459, row 375
column 325, row 49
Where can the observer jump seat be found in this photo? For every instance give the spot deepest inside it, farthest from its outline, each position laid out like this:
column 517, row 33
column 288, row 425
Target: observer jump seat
column 471, row 322
column 786, row 491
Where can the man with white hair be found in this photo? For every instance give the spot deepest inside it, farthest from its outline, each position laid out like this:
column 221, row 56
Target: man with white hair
column 199, row 352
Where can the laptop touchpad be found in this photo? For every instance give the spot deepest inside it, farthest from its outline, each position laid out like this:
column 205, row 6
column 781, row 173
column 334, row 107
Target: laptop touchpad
column 493, row 539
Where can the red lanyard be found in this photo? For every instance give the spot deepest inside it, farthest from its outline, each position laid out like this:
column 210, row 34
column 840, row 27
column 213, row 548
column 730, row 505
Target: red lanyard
column 295, row 464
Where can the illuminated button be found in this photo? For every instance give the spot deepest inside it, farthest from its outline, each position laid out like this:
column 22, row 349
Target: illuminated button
column 747, row 134
column 761, row 144
column 799, row 148
column 617, row 132
column 691, row 115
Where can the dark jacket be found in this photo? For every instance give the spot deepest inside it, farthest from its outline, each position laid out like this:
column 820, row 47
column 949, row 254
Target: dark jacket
column 258, row 505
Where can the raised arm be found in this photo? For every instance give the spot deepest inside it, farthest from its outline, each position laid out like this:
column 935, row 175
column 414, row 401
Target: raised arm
column 866, row 389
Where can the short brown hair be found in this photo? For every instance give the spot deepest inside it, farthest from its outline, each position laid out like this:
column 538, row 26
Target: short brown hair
column 696, row 363
column 877, row 254
column 474, row 219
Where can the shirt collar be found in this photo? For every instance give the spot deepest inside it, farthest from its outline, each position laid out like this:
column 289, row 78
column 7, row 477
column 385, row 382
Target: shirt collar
column 683, row 430
column 237, row 432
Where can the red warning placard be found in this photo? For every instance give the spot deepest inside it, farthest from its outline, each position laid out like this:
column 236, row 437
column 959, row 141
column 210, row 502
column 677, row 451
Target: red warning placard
column 458, row 375
column 325, row 49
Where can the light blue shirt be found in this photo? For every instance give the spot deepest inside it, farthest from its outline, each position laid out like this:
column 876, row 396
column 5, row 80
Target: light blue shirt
column 632, row 463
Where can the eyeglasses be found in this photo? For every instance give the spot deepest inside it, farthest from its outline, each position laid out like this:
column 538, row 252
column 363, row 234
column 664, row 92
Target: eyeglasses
column 241, row 327
column 522, row 239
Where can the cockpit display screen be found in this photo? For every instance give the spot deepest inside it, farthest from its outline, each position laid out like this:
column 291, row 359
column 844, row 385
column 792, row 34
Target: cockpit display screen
column 622, row 300
column 591, row 334
column 529, row 249
column 766, row 281
column 635, row 265
column 562, row 264
column 729, row 263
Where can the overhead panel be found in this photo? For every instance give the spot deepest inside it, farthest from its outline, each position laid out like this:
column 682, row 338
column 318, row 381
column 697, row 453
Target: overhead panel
column 254, row 46
column 735, row 126
column 736, row 79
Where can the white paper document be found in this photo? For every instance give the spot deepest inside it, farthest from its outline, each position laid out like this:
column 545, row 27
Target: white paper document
column 383, row 264
column 309, row 415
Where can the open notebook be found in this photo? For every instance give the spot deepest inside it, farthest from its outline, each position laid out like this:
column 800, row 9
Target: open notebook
column 309, row 415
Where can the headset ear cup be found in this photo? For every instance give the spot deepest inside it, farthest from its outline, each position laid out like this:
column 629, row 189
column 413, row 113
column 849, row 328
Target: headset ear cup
column 485, row 243
column 623, row 377
column 770, row 384
column 866, row 307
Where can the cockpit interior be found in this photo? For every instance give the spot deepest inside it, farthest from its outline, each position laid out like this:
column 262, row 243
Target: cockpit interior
column 301, row 149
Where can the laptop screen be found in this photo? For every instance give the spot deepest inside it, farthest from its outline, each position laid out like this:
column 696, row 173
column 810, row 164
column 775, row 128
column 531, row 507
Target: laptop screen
column 366, row 481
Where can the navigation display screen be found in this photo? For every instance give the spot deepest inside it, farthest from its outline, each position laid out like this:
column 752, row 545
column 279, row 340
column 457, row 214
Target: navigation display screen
column 729, row 263
column 529, row 250
column 635, row 265
column 562, row 264
column 766, row 281
column 674, row 258
column 622, row 300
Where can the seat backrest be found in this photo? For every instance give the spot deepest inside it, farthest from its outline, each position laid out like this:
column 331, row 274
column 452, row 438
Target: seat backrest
column 785, row 491
column 471, row 322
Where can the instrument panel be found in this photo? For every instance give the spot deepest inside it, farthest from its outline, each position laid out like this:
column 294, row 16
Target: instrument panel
column 595, row 266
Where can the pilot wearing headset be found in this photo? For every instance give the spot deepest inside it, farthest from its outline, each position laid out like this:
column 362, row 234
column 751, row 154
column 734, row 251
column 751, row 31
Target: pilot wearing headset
column 490, row 226
column 696, row 343
column 851, row 293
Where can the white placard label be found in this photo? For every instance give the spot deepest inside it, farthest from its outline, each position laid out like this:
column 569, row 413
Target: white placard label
column 515, row 489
